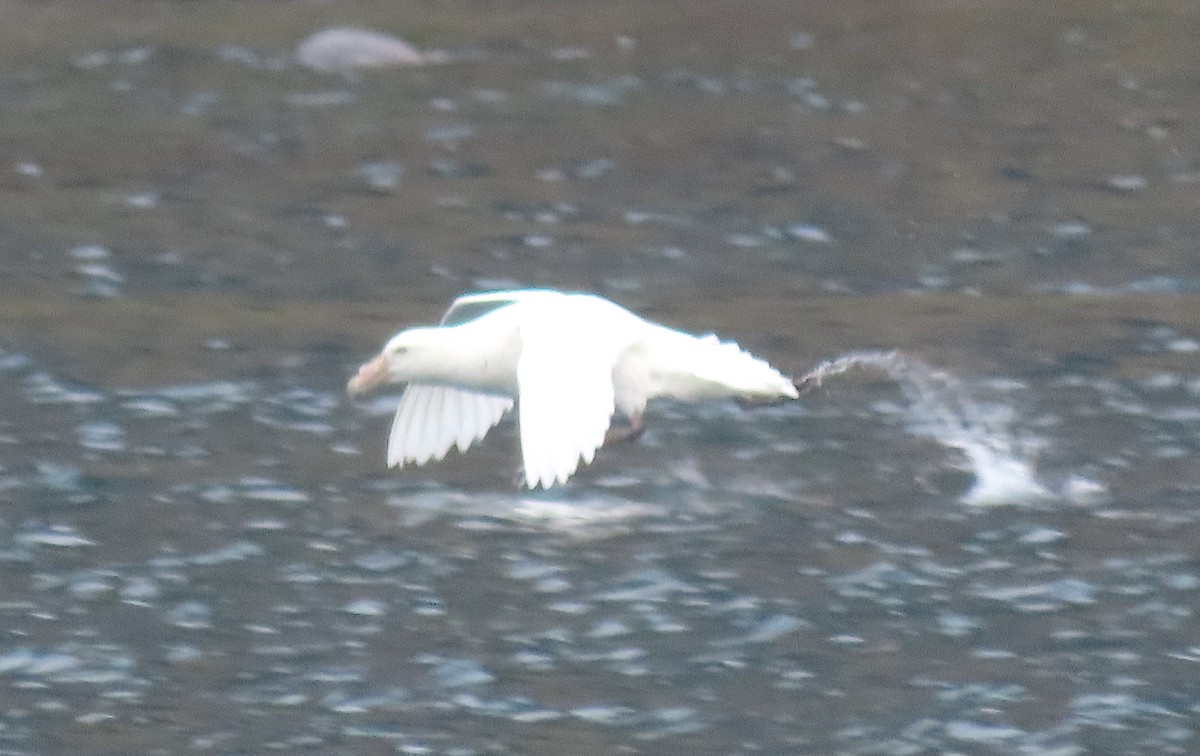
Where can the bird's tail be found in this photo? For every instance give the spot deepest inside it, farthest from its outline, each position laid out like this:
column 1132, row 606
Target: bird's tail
column 723, row 369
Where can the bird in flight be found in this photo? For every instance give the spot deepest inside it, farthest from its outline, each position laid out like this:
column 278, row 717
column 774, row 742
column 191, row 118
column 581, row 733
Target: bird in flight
column 568, row 361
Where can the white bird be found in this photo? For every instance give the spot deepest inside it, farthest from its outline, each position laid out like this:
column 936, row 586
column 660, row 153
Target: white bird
column 570, row 361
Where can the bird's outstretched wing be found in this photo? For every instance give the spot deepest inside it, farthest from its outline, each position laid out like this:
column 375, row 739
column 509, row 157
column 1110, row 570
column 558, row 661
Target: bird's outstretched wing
column 566, row 397
column 431, row 419
column 471, row 306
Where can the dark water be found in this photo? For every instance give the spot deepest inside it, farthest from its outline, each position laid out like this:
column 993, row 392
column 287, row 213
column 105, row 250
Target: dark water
column 987, row 547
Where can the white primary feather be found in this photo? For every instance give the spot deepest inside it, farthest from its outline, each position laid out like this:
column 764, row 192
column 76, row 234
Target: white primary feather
column 566, row 400
column 432, row 419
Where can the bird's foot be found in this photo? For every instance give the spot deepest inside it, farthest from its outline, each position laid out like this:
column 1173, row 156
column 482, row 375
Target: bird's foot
column 631, row 432
column 807, row 383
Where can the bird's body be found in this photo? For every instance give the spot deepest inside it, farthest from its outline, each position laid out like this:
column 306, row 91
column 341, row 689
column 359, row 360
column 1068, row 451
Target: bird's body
column 568, row 360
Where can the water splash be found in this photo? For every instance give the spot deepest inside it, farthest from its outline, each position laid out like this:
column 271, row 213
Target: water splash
column 942, row 409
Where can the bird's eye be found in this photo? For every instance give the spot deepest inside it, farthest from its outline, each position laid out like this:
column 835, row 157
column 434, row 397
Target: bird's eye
column 400, row 350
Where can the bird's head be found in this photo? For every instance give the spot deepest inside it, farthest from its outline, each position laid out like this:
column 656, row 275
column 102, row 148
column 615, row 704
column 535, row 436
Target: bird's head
column 402, row 359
